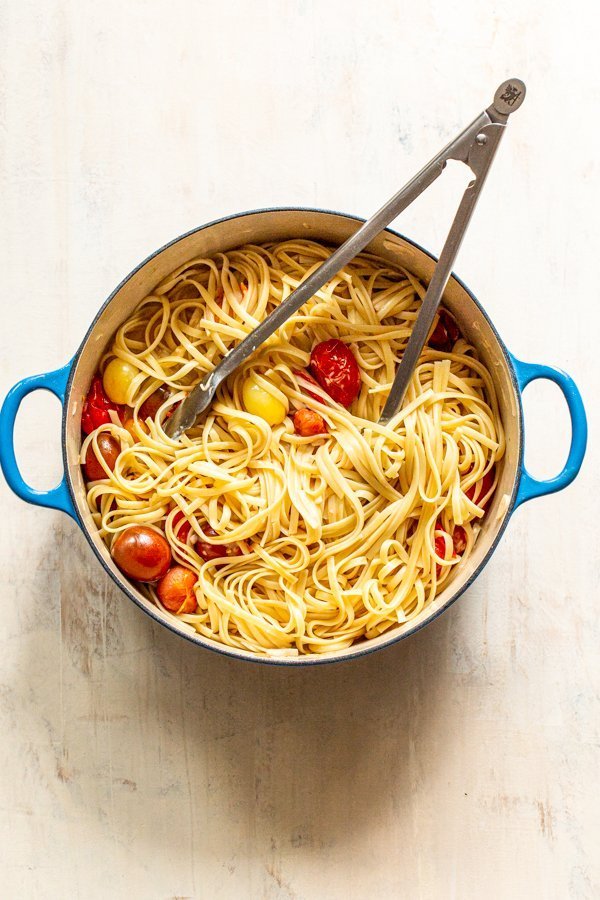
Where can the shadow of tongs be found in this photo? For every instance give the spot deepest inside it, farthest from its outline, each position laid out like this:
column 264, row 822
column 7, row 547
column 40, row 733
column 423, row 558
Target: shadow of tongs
column 476, row 147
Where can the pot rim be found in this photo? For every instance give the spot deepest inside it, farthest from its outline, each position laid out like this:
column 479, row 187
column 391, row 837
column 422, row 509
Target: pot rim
column 360, row 649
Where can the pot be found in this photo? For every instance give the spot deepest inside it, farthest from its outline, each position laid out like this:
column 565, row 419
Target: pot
column 70, row 384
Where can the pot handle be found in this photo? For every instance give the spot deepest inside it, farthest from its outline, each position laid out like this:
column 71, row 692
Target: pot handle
column 56, row 383
column 530, row 487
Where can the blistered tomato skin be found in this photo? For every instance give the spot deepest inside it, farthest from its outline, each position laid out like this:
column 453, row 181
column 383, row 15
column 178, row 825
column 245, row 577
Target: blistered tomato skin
column 141, row 553
column 92, row 417
column 117, row 379
column 110, row 448
column 259, row 402
column 308, row 423
column 176, row 590
column 336, row 370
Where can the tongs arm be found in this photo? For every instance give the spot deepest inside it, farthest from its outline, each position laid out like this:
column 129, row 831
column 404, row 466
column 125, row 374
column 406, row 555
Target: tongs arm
column 476, row 147
column 480, row 159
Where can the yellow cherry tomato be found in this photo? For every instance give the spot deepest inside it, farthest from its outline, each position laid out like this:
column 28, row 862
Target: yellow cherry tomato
column 117, row 379
column 261, row 403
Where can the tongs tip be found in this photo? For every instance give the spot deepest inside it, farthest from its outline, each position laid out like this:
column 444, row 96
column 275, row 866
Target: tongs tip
column 509, row 96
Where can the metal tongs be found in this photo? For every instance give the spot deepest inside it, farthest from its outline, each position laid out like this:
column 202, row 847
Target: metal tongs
column 476, row 147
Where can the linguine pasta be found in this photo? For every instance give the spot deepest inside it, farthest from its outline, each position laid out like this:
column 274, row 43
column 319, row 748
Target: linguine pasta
column 337, row 532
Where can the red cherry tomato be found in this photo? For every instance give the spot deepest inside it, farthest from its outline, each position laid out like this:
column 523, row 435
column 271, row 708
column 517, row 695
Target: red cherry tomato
column 96, row 408
column 141, row 553
column 459, row 540
column 150, row 407
column 176, row 590
column 308, row 423
column 412, row 527
column 113, row 503
column 93, row 416
column 130, row 425
column 305, row 374
column 481, row 488
column 336, row 370
column 110, row 448
column 215, row 551
column 181, row 530
column 451, row 326
column 445, row 334
column 440, row 549
column 440, row 546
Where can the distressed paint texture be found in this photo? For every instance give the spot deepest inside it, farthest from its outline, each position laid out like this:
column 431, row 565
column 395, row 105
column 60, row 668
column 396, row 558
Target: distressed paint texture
column 461, row 764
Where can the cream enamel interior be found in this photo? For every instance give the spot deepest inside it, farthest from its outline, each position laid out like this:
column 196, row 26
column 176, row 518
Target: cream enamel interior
column 278, row 225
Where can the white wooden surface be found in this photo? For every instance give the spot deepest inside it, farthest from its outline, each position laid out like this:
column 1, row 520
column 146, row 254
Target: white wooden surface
column 460, row 764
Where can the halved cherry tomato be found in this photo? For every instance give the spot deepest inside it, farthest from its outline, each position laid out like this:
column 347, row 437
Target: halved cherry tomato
column 96, row 408
column 214, row 551
column 446, row 332
column 459, row 540
column 336, row 370
column 150, row 407
column 481, row 488
column 308, row 423
column 176, row 590
column 141, row 553
column 110, row 448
